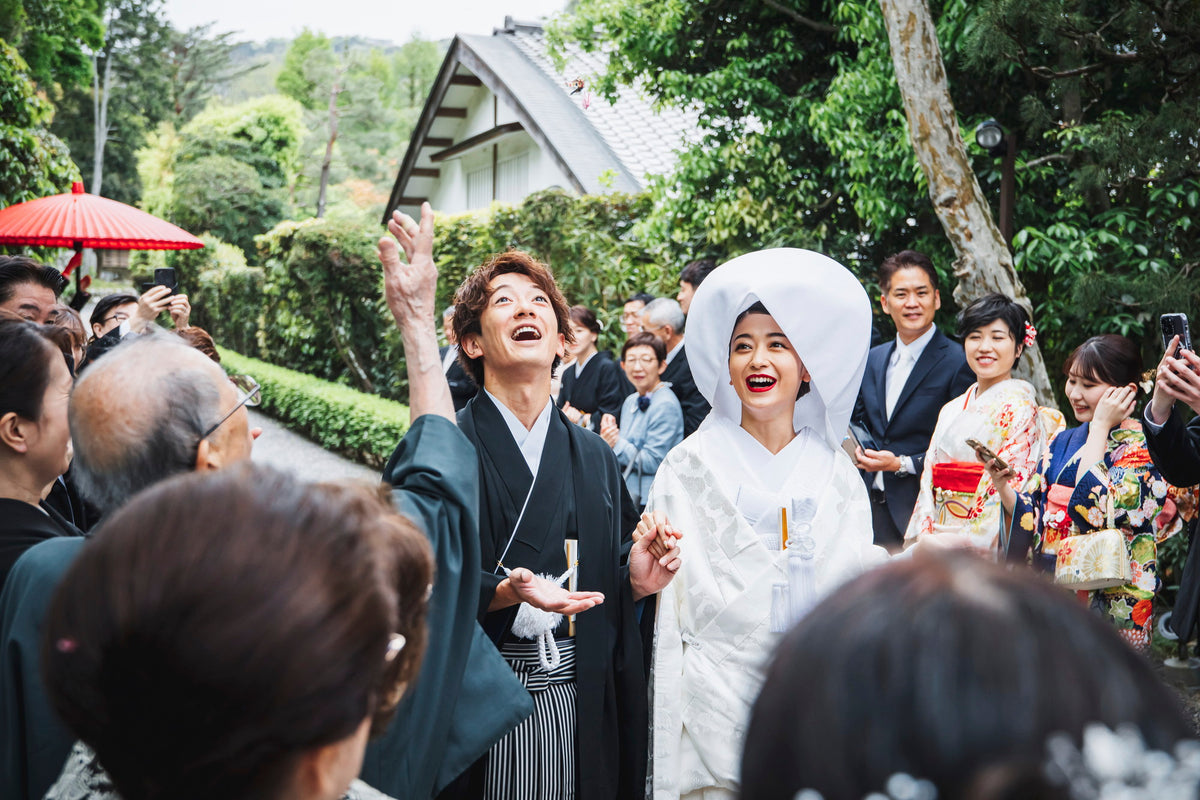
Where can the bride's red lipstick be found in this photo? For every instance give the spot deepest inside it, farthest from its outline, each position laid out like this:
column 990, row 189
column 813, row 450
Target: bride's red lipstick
column 760, row 383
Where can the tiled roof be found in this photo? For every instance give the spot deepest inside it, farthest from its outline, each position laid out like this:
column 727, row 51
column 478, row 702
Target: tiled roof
column 643, row 138
column 602, row 148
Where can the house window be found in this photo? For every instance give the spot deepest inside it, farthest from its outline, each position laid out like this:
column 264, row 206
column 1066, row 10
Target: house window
column 512, row 179
column 479, row 187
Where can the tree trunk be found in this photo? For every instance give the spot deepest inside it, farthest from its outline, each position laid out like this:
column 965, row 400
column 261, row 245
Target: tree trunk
column 334, row 91
column 100, row 90
column 983, row 262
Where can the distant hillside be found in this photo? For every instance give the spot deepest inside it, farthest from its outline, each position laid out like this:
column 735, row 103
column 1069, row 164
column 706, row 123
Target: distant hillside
column 269, row 56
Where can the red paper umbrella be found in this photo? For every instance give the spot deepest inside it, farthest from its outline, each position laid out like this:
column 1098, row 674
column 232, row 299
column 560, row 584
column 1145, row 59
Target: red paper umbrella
column 80, row 220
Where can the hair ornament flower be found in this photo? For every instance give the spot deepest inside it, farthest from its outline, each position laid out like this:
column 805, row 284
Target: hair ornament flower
column 1030, row 335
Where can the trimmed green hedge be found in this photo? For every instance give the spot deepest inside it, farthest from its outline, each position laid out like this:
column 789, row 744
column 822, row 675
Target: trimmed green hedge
column 359, row 426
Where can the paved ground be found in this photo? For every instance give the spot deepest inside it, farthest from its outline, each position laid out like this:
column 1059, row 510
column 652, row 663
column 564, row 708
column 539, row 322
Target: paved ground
column 281, row 448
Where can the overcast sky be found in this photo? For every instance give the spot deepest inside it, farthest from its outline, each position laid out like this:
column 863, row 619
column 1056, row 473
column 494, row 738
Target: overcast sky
column 396, row 20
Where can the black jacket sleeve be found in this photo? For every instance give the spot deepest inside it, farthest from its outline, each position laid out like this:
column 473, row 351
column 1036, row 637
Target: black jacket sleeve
column 1175, row 449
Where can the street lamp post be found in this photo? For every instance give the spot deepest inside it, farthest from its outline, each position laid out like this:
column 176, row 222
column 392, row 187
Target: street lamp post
column 992, row 137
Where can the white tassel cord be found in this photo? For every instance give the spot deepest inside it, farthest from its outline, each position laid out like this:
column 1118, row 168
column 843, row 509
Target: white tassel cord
column 534, row 623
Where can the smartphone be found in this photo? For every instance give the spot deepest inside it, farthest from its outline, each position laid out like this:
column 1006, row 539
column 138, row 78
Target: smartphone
column 163, row 276
column 1176, row 325
column 986, row 454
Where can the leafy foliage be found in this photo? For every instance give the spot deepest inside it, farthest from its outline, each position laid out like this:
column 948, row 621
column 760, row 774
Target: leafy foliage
column 33, row 161
column 53, row 36
column 317, row 304
column 359, row 426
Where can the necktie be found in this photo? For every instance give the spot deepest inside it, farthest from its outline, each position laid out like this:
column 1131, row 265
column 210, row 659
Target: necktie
column 895, row 381
column 643, row 402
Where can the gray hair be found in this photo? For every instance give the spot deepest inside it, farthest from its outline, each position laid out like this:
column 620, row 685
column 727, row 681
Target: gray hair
column 137, row 415
column 665, row 311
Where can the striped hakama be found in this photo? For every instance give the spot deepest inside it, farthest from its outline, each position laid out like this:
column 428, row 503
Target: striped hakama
column 537, row 760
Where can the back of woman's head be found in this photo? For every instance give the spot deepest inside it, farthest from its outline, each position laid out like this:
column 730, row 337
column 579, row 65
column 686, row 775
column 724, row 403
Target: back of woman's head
column 951, row 670
column 219, row 626
column 1109, row 358
column 26, row 350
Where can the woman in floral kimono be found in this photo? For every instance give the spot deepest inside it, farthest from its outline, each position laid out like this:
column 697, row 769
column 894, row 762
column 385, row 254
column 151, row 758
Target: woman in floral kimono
column 772, row 512
column 999, row 412
column 1106, row 454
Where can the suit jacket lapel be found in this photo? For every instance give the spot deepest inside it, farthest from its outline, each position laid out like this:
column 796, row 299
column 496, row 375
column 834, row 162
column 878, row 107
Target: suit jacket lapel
column 879, row 385
column 934, row 352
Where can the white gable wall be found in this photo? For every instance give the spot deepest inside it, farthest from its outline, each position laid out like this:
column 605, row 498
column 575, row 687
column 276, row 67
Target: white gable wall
column 520, row 165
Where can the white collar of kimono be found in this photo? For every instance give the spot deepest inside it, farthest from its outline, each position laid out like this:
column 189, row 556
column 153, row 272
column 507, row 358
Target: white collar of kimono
column 819, row 305
column 530, row 442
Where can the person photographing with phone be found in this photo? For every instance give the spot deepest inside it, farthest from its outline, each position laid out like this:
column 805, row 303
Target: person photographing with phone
column 998, row 412
column 1175, row 447
column 1099, row 475
column 118, row 315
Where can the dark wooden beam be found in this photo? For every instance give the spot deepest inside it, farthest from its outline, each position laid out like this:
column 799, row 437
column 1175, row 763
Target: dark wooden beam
column 475, row 141
column 434, row 141
column 451, row 113
column 425, row 172
column 410, row 201
column 465, row 80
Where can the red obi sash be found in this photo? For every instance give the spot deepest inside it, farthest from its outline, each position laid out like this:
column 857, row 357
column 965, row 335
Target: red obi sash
column 957, row 476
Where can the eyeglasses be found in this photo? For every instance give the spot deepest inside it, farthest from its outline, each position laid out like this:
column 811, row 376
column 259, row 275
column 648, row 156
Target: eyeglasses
column 631, row 360
column 250, row 394
column 120, row 316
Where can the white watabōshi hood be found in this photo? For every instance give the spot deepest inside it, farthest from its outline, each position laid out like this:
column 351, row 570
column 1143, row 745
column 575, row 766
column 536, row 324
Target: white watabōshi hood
column 819, row 305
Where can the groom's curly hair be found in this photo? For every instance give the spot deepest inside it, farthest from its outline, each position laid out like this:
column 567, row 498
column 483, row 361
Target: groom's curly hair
column 473, row 295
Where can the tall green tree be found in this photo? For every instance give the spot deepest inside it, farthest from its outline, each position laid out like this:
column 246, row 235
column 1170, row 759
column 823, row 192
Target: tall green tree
column 804, row 140
column 33, row 161
column 53, row 37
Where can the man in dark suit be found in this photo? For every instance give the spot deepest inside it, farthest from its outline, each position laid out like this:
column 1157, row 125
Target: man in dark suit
column 664, row 318
column 462, row 388
column 1175, row 447
column 906, row 383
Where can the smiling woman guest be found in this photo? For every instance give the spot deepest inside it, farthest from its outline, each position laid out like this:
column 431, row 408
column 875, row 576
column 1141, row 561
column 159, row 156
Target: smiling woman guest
column 593, row 385
column 651, row 417
column 998, row 412
column 772, row 512
column 1104, row 456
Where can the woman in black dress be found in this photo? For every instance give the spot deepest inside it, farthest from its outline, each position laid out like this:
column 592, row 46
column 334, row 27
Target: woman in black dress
column 594, row 385
column 35, row 442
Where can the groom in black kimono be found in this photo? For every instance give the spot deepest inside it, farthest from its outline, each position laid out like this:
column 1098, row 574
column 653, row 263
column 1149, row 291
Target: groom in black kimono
column 548, row 488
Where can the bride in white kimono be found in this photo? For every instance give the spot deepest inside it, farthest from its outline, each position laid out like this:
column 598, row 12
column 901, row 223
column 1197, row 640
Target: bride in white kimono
column 772, row 512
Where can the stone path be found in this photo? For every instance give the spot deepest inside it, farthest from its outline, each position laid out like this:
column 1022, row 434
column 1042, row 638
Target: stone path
column 281, row 448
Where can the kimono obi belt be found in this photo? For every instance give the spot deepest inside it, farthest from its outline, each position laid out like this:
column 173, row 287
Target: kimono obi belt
column 954, row 485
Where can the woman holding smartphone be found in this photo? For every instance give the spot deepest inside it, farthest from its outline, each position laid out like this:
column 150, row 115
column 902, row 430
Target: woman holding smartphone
column 1104, row 456
column 998, row 412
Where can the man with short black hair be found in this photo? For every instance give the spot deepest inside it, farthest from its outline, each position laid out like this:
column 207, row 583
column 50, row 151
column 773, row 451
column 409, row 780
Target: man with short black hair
column 631, row 312
column 665, row 319
column 906, row 383
column 693, row 274
column 29, row 289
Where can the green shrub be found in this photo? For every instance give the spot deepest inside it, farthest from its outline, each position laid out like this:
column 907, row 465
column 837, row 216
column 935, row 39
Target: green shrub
column 360, row 426
column 317, row 306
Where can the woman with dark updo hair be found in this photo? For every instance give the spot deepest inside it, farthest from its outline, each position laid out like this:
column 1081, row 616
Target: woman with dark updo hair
column 998, row 412
column 35, row 442
column 594, row 384
column 238, row 635
column 1104, row 456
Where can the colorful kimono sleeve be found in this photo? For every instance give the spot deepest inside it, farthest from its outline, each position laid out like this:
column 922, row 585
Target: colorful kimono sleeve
column 1025, row 530
column 1015, row 425
column 924, row 512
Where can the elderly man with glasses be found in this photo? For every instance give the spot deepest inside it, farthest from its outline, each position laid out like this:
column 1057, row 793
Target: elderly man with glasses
column 152, row 408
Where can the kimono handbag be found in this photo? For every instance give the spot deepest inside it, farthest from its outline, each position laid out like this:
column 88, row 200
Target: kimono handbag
column 1096, row 560
column 954, row 486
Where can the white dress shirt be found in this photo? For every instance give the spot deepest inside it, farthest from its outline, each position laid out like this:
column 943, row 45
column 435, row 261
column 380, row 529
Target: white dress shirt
column 674, row 351
column 900, row 366
column 529, row 441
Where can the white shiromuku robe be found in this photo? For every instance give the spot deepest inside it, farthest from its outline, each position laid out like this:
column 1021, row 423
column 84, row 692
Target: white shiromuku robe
column 713, row 634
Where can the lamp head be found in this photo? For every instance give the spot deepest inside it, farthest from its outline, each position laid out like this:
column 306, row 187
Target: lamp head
column 990, row 136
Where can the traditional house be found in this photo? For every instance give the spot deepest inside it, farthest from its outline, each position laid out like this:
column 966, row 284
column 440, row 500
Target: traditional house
column 503, row 121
